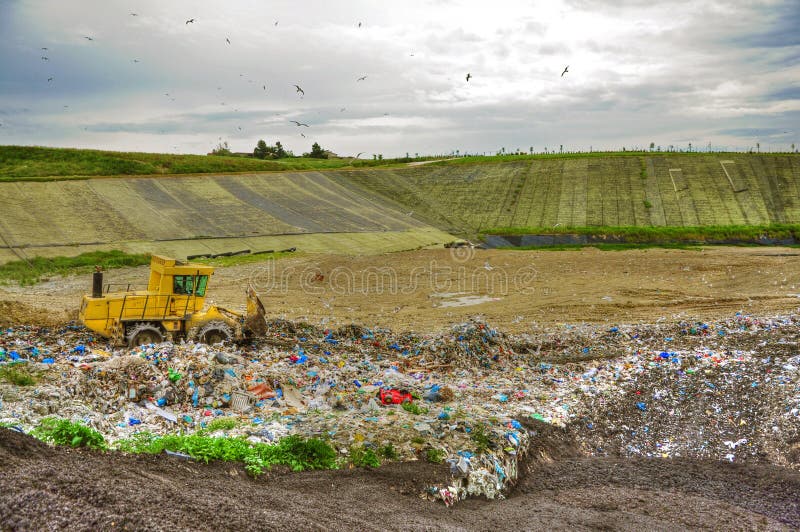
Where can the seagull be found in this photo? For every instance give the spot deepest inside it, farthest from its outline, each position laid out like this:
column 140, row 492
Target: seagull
column 487, row 266
column 298, row 123
column 565, row 71
column 190, row 21
column 301, row 91
column 362, row 78
column 227, row 40
column 468, row 76
column 88, row 38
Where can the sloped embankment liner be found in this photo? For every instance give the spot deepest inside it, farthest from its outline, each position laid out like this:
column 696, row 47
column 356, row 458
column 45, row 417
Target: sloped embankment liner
column 494, row 476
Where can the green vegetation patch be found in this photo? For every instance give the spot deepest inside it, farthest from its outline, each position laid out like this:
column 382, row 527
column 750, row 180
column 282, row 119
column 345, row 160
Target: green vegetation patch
column 65, row 432
column 297, row 453
column 17, row 374
column 665, row 234
column 34, row 270
column 19, row 163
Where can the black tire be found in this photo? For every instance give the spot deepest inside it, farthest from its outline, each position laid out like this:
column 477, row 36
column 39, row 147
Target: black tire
column 215, row 332
column 144, row 333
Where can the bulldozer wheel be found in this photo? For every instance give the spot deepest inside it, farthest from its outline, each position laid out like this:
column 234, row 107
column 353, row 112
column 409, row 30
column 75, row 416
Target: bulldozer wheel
column 144, row 333
column 215, row 332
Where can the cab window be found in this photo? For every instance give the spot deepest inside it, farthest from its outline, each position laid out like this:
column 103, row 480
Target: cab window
column 190, row 284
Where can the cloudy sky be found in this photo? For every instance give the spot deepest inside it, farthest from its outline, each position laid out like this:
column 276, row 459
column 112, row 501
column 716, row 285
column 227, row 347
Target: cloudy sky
column 719, row 73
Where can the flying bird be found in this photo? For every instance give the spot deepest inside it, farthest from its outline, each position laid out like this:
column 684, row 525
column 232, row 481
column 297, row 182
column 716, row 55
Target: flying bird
column 190, row 21
column 88, row 38
column 303, row 135
column 135, row 60
column 227, row 40
column 45, row 58
column 468, row 76
column 276, row 22
column 359, row 154
column 565, row 71
column 362, row 78
column 49, row 80
column 240, row 128
column 265, row 87
column 342, row 110
column 134, row 14
column 359, row 24
column 298, row 123
column 301, row 91
column 45, row 49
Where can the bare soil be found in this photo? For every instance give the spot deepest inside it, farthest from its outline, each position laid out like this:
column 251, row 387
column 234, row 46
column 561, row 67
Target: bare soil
column 75, row 489
column 515, row 291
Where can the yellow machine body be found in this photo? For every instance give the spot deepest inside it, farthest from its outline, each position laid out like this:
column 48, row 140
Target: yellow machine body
column 171, row 308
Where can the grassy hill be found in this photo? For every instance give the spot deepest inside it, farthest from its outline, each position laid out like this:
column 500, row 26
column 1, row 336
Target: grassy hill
column 613, row 190
column 400, row 206
column 40, row 163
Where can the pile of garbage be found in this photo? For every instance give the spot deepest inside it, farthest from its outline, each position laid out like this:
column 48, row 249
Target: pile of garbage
column 728, row 390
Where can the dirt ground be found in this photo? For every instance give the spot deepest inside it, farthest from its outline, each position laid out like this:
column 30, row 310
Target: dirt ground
column 515, row 291
column 67, row 489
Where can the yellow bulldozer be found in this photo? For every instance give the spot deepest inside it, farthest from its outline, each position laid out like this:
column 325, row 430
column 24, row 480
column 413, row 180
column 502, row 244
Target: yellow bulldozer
column 171, row 308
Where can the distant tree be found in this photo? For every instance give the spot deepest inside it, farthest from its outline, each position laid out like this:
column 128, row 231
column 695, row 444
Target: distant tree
column 659, row 148
column 530, row 150
column 374, row 157
column 380, row 156
column 416, row 155
column 221, row 149
column 690, row 146
column 652, row 146
column 317, row 152
column 561, row 149
column 261, row 151
column 793, row 146
column 279, row 151
column 758, row 147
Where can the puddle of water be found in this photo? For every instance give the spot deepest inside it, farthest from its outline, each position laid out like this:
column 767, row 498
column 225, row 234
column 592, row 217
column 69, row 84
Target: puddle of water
column 458, row 300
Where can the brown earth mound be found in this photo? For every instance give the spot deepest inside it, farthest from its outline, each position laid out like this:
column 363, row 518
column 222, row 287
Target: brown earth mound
column 67, row 489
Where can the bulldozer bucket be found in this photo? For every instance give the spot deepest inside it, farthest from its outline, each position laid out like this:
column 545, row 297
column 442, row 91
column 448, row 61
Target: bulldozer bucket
column 256, row 322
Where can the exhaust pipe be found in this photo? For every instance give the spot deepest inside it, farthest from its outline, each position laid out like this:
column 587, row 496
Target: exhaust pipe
column 97, row 284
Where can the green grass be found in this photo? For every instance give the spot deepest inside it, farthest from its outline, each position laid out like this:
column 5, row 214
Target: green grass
column 65, row 432
column 297, row 453
column 603, row 247
column 244, row 259
column 663, row 234
column 361, row 456
column 42, row 163
column 34, row 270
column 17, row 374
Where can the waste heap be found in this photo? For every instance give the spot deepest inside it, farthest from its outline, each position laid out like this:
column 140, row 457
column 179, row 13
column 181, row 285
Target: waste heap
column 728, row 390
